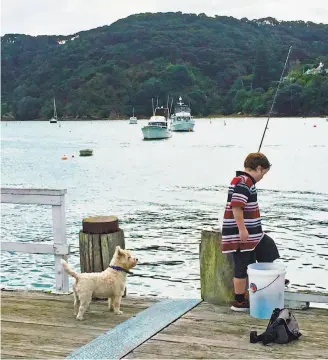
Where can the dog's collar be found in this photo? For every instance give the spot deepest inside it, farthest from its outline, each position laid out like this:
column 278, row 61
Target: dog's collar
column 118, row 268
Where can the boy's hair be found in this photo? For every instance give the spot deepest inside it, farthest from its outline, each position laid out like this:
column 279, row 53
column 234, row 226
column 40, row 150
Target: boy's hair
column 253, row 160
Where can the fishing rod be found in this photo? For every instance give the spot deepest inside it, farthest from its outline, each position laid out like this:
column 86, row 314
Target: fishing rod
column 274, row 99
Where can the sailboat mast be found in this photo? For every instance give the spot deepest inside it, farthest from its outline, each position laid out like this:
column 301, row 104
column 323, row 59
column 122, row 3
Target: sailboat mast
column 55, row 111
column 171, row 107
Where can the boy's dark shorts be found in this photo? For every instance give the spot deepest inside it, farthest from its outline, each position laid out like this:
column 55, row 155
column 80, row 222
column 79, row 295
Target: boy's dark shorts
column 265, row 251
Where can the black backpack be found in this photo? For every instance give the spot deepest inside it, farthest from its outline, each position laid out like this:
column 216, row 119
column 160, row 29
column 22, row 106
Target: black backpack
column 282, row 329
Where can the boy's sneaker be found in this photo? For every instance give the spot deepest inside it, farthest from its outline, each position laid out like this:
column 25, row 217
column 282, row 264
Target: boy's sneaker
column 240, row 306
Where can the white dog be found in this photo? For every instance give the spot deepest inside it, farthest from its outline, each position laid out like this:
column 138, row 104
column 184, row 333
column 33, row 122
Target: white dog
column 107, row 284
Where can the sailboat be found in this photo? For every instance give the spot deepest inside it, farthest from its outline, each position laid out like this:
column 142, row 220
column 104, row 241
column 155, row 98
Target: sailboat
column 133, row 119
column 54, row 119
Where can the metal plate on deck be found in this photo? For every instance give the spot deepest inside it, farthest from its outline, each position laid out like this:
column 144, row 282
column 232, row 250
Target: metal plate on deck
column 128, row 335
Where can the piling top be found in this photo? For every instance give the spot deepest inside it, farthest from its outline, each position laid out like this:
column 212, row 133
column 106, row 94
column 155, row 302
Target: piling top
column 100, row 225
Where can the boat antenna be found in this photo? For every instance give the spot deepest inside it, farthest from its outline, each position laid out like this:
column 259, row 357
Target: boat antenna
column 152, row 103
column 275, row 97
column 157, row 102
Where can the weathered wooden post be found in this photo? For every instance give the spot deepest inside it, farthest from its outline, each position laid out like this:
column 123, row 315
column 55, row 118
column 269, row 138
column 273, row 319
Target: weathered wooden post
column 216, row 269
column 216, row 274
column 98, row 239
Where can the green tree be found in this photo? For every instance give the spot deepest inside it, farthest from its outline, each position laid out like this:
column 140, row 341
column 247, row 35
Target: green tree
column 261, row 78
column 28, row 108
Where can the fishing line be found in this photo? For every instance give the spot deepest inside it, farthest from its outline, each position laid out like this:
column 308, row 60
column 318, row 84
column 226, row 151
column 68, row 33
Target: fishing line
column 274, row 99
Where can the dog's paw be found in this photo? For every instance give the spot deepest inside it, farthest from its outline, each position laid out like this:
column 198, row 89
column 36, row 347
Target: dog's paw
column 118, row 312
column 80, row 317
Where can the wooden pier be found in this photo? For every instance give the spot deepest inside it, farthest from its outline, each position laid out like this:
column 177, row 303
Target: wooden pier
column 37, row 325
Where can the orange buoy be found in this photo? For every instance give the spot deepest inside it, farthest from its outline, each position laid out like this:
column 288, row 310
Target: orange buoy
column 64, row 157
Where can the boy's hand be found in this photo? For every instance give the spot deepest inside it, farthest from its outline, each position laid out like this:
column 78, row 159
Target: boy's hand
column 243, row 234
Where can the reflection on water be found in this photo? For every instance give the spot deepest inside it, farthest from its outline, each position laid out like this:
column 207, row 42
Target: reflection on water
column 164, row 194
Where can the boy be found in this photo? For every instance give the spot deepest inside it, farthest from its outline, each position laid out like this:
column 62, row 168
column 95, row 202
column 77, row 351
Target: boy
column 242, row 233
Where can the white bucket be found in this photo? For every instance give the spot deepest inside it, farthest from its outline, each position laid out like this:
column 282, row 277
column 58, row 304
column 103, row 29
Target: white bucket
column 266, row 288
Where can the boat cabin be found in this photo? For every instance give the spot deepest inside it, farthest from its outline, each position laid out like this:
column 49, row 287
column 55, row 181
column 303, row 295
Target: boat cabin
column 157, row 121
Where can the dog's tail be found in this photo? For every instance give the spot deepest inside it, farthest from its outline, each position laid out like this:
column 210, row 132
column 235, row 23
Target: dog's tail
column 69, row 270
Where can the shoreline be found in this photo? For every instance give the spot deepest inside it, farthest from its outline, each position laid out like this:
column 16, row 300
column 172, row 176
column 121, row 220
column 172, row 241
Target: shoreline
column 209, row 117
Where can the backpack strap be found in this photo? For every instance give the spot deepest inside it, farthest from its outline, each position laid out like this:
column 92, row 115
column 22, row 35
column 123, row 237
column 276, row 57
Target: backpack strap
column 292, row 334
column 274, row 316
column 270, row 335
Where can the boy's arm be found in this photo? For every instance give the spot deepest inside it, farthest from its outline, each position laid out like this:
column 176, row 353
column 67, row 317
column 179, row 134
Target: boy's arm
column 238, row 214
column 238, row 201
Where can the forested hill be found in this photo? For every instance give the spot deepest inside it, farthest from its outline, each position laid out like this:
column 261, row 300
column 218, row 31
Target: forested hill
column 220, row 64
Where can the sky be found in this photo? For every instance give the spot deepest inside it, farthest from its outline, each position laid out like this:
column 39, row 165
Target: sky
column 64, row 17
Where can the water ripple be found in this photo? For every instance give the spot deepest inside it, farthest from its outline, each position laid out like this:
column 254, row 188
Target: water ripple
column 164, row 194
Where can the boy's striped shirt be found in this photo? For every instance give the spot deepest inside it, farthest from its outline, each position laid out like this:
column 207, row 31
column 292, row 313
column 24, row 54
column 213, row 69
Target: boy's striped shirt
column 242, row 193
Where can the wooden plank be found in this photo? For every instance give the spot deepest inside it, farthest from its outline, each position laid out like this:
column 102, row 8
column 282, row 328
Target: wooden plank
column 97, row 258
column 168, row 350
column 127, row 336
column 105, row 250
column 208, row 342
column 189, row 348
column 31, row 199
column 212, row 332
column 31, row 191
column 90, row 252
column 32, row 196
column 43, row 308
column 37, row 325
column 241, row 330
column 142, row 355
column 35, row 248
column 308, row 321
column 307, row 296
column 59, row 231
column 199, row 325
column 114, row 240
column 241, row 341
column 29, row 297
column 84, row 252
column 40, row 325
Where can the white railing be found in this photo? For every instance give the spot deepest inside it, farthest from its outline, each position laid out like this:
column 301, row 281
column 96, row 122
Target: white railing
column 55, row 198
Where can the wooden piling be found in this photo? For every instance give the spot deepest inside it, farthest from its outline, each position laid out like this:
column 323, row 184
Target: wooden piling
column 216, row 269
column 98, row 239
column 216, row 274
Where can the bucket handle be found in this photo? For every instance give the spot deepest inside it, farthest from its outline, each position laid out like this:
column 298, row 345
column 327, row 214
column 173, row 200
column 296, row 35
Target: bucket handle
column 256, row 289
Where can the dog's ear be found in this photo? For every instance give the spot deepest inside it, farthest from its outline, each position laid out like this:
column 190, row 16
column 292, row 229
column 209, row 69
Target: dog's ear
column 118, row 250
